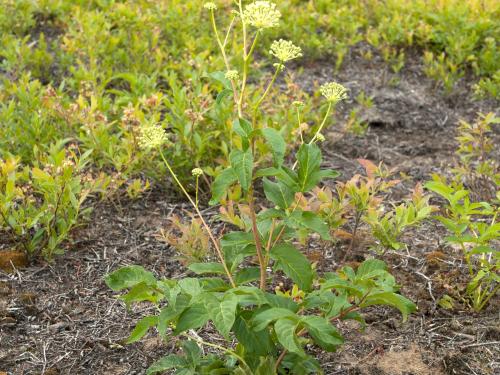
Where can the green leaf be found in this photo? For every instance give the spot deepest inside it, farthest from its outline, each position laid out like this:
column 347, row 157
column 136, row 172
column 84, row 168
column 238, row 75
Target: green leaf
column 278, row 193
column 247, row 275
column 237, row 246
column 237, row 239
column 301, row 365
column 166, row 363
column 439, row 188
column 192, row 351
column 249, row 295
column 226, row 314
column 170, row 312
column 294, row 264
column 340, row 284
column 277, row 144
column 243, row 128
column 267, row 172
column 482, row 249
column 270, row 213
column 242, row 164
column 452, row 225
column 221, row 183
column 141, row 328
column 404, row 305
column 283, row 174
column 323, row 332
column 191, row 286
column 258, row 342
column 129, row 276
column 193, row 317
column 266, row 317
column 223, row 94
column 309, row 160
column 266, row 366
column 186, row 371
column 204, row 268
column 309, row 220
column 222, row 312
column 214, row 284
column 370, row 268
column 234, row 255
column 275, row 300
column 220, row 76
column 141, row 292
column 328, row 173
column 285, row 329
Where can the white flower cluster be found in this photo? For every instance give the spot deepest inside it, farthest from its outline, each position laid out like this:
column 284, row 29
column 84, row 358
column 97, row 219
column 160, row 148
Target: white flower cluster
column 210, row 6
column 152, row 136
column 232, row 75
column 262, row 14
column 333, row 92
column 197, row 172
column 285, row 50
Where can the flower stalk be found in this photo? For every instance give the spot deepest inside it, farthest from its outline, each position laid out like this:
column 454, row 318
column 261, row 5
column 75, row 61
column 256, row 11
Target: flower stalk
column 205, row 225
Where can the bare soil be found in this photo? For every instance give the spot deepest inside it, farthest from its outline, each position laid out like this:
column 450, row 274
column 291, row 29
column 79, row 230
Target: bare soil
column 60, row 318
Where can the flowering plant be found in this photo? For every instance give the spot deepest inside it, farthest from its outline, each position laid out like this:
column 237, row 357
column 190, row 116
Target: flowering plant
column 271, row 326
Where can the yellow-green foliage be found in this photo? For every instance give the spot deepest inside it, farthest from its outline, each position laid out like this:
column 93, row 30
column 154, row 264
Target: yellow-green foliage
column 465, row 33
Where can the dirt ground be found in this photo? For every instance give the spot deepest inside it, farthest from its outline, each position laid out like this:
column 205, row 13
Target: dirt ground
column 60, row 318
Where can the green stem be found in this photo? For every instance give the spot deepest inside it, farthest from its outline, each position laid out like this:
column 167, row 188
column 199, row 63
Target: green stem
column 229, row 31
column 252, row 48
column 258, row 242
column 319, row 129
column 283, row 228
column 261, row 99
column 485, row 301
column 244, row 30
column 467, row 259
column 222, row 47
column 246, row 63
column 300, row 128
column 322, row 123
column 196, row 193
column 269, row 243
column 207, row 228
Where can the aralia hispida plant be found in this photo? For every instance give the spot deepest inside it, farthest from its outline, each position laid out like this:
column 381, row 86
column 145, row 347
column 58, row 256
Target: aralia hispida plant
column 265, row 329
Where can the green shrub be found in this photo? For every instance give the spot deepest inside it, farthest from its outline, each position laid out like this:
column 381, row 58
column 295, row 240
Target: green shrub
column 40, row 205
column 472, row 207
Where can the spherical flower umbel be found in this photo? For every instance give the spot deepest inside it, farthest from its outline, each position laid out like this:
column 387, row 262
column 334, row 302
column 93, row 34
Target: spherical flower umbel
column 333, row 92
column 152, row 136
column 262, row 14
column 285, row 50
column 232, row 75
column 197, row 172
column 320, row 137
column 210, row 6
